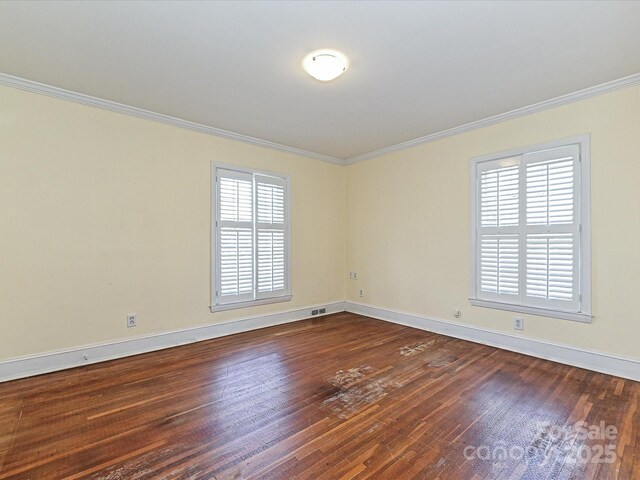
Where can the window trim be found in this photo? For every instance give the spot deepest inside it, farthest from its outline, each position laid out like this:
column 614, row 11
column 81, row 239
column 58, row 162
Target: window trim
column 214, row 306
column 584, row 214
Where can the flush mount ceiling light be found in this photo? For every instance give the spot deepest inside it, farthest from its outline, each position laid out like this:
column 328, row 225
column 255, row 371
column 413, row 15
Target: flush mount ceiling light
column 325, row 65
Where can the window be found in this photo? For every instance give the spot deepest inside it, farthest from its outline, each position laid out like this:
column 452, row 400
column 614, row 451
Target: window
column 530, row 230
column 251, row 238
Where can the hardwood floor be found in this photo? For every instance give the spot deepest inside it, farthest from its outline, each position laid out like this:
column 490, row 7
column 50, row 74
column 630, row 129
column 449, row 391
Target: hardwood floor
column 334, row 398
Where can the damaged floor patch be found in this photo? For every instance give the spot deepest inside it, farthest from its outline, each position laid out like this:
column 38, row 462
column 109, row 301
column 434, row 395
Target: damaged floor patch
column 344, row 378
column 416, row 348
column 356, row 391
column 442, row 361
column 353, row 399
column 141, row 465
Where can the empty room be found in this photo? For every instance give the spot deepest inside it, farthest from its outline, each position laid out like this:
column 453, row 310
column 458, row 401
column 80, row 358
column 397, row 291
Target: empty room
column 319, row 240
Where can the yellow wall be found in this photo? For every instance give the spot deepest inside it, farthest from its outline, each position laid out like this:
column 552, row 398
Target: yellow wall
column 408, row 223
column 104, row 214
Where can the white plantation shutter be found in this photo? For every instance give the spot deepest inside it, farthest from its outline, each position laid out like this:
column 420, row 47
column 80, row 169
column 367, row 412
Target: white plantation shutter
column 552, row 228
column 550, row 186
column 499, row 265
column 251, row 237
column 550, row 267
column 235, row 237
column 499, row 196
column 270, row 227
column 527, row 230
column 498, row 249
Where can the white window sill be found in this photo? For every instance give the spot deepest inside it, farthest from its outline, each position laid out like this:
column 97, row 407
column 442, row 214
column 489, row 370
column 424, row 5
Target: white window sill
column 251, row 303
column 576, row 317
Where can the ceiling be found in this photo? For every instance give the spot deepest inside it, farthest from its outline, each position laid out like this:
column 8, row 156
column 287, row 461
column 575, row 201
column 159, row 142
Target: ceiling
column 416, row 68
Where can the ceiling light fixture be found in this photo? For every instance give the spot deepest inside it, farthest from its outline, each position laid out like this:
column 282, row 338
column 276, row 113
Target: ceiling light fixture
column 325, row 65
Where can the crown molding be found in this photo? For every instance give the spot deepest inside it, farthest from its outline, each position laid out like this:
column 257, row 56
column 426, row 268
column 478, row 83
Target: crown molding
column 519, row 112
column 61, row 93
column 56, row 92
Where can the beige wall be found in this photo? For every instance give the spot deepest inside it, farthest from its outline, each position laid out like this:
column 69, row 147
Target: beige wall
column 408, row 224
column 104, row 214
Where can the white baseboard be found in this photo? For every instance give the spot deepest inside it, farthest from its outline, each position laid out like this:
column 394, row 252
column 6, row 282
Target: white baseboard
column 596, row 361
column 60, row 360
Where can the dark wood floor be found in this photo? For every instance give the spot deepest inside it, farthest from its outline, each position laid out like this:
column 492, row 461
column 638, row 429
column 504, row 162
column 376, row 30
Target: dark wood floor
column 334, row 398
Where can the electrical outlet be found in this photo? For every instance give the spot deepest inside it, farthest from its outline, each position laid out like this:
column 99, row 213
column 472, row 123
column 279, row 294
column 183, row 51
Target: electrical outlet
column 314, row 312
column 457, row 313
column 518, row 323
column 353, row 276
column 361, row 293
column 322, row 310
column 132, row 321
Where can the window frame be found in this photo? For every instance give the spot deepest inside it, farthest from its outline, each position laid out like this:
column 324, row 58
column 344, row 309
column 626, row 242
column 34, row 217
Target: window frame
column 583, row 189
column 259, row 299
